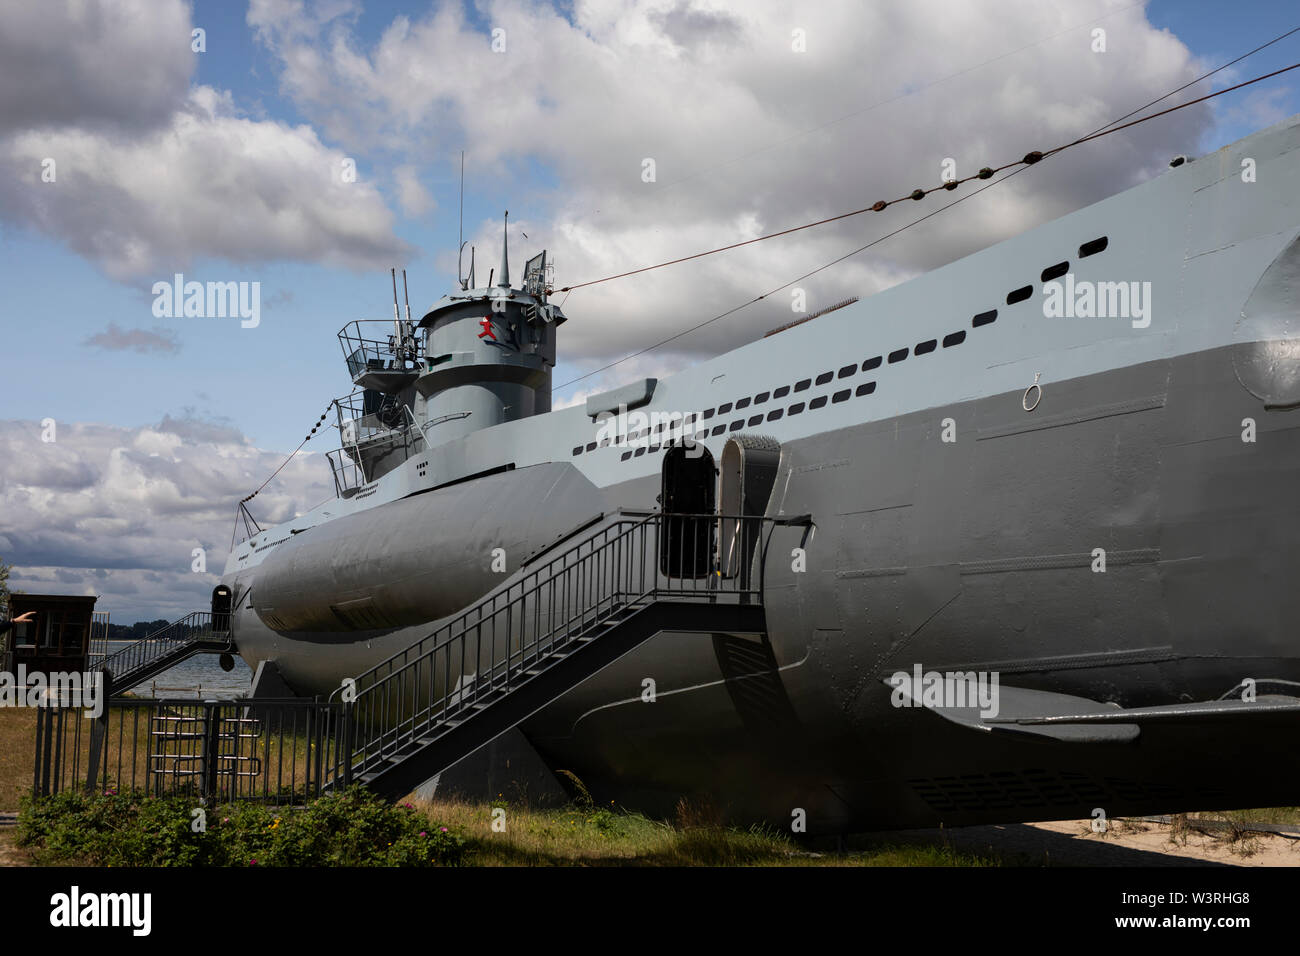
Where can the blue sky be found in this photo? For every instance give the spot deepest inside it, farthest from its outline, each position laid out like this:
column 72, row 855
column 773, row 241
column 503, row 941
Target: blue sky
column 55, row 299
column 532, row 148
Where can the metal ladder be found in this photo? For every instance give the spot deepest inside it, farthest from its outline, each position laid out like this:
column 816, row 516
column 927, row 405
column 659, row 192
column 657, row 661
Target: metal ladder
column 553, row 624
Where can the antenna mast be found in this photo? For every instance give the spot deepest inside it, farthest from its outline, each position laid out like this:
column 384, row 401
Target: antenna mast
column 465, row 283
column 396, row 341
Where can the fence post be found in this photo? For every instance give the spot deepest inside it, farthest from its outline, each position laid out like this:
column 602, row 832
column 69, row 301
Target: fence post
column 347, row 744
column 98, row 733
column 42, row 730
column 211, row 746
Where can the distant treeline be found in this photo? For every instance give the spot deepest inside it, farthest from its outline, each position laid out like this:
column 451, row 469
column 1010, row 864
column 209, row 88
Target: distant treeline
column 131, row 632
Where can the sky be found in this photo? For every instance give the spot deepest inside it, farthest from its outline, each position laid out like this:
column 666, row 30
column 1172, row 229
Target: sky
column 133, row 148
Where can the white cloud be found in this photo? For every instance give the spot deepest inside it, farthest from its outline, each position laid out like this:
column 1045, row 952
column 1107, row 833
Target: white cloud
column 747, row 135
column 117, row 339
column 411, row 194
column 123, row 65
column 151, row 177
column 118, row 511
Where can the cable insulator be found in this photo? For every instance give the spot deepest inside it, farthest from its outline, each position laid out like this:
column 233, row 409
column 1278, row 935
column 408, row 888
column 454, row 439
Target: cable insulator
column 879, row 206
column 950, row 186
column 1031, row 158
column 918, row 193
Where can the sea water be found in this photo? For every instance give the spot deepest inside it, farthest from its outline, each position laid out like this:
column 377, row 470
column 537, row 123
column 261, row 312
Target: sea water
column 200, row 677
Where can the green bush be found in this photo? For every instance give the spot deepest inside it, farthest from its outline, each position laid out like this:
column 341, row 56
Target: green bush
column 353, row 828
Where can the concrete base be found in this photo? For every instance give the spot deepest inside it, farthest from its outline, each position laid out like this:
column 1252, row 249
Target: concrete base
column 508, row 767
column 268, row 684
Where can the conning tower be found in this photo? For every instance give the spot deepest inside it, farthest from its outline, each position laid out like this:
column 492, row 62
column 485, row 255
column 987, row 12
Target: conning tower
column 488, row 352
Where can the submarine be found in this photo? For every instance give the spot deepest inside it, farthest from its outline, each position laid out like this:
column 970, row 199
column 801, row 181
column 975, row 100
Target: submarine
column 1062, row 468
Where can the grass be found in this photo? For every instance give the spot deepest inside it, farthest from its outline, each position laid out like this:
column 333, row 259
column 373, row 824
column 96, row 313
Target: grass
column 17, row 731
column 586, row 836
column 1286, row 816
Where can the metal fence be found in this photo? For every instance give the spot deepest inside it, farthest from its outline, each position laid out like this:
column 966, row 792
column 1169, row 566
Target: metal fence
column 276, row 751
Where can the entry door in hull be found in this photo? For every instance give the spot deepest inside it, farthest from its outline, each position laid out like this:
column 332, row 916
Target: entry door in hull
column 689, row 480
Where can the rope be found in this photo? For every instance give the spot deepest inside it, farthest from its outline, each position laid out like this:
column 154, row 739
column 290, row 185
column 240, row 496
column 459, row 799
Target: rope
column 1022, row 167
column 318, row 424
column 1029, row 159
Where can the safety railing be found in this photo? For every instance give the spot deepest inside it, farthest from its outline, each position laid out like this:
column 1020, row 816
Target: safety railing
column 510, row 635
column 376, row 434
column 178, row 635
column 277, row 751
column 378, row 345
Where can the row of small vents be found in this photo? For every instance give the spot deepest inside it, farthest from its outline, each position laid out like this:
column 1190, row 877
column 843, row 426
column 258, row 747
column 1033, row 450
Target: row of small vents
column 866, row 388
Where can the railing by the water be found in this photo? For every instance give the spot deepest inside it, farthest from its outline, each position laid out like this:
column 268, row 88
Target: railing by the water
column 195, row 626
column 99, row 640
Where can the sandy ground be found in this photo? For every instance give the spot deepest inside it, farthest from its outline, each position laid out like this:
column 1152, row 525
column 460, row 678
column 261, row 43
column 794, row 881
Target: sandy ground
column 1127, row 843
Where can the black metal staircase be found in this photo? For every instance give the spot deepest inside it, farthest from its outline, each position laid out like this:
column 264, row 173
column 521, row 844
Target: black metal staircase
column 551, row 626
column 165, row 648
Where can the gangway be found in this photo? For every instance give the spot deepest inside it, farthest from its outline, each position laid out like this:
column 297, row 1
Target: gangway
column 166, row 647
column 567, row 613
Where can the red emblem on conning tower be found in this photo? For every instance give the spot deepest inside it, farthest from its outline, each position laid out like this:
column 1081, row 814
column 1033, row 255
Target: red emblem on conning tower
column 486, row 322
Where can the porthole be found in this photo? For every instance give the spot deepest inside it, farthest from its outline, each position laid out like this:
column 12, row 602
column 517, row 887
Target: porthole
column 984, row 318
column 866, row 388
column 954, row 338
column 774, row 414
column 825, row 377
column 1019, row 295
column 797, row 408
column 925, row 348
column 871, row 363
column 781, row 392
column 842, row 396
column 847, row 370
column 817, row 402
column 803, row 385
column 897, row 356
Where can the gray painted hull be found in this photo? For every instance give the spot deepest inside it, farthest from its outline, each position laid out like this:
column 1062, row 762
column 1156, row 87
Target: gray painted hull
column 975, row 553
